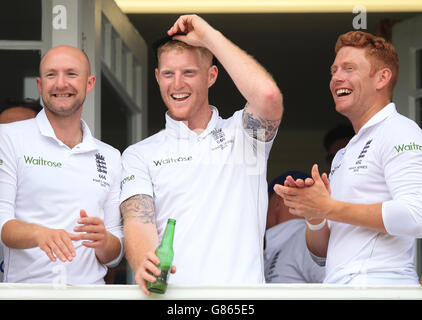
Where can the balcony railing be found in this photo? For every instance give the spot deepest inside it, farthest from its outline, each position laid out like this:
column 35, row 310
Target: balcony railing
column 19, row 291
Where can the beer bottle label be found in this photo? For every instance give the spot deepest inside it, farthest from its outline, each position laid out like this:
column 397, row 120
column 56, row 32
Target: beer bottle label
column 163, row 277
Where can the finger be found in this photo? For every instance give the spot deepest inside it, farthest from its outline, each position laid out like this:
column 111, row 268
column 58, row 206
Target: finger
column 300, row 183
column 142, row 283
column 295, row 212
column 83, row 213
column 91, row 244
column 315, row 173
column 282, row 190
column 179, row 38
column 66, row 248
column 309, row 182
column 151, row 267
column 90, row 228
column 149, row 277
column 75, row 237
column 290, row 203
column 48, row 252
column 290, row 182
column 287, row 183
column 173, row 269
column 69, row 244
column 175, row 28
column 90, row 220
column 181, row 24
column 57, row 252
column 326, row 182
column 153, row 258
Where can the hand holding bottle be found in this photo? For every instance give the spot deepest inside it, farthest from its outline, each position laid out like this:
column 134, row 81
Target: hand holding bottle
column 148, row 271
column 157, row 265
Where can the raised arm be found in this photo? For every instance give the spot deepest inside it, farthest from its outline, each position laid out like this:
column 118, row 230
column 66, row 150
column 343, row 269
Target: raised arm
column 264, row 106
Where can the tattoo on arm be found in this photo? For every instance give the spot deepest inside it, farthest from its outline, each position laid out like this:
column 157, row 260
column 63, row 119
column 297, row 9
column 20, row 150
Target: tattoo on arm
column 260, row 128
column 139, row 207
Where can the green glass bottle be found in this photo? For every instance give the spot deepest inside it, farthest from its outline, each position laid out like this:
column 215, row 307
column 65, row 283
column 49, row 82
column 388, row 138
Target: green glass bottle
column 165, row 253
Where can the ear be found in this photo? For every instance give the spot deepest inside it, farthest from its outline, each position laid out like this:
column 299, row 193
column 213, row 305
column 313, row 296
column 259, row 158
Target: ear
column 91, row 83
column 156, row 74
column 383, row 78
column 212, row 75
column 39, row 84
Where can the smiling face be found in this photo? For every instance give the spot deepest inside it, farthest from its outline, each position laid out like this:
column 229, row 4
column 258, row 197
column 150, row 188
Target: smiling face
column 64, row 80
column 352, row 85
column 184, row 78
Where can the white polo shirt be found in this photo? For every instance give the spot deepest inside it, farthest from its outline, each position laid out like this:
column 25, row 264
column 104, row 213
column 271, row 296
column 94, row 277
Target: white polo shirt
column 214, row 185
column 287, row 258
column 43, row 181
column 381, row 163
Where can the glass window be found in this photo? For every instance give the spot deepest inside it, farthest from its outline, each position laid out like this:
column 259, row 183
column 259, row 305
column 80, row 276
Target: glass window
column 20, row 20
column 19, row 69
column 419, row 69
column 114, row 131
column 114, row 117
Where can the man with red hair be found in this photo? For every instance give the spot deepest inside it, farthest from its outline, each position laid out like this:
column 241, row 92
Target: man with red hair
column 364, row 219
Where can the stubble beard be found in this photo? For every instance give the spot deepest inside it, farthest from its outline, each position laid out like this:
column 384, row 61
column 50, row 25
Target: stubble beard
column 66, row 112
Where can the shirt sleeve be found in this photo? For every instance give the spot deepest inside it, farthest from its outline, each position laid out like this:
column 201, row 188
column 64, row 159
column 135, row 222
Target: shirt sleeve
column 402, row 162
column 252, row 152
column 135, row 175
column 112, row 217
column 8, row 177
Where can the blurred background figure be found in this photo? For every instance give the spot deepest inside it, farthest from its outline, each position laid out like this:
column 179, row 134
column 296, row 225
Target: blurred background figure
column 19, row 109
column 286, row 256
column 336, row 139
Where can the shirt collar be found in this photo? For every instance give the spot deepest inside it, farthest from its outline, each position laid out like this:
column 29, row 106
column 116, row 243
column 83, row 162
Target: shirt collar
column 44, row 125
column 380, row 116
column 180, row 130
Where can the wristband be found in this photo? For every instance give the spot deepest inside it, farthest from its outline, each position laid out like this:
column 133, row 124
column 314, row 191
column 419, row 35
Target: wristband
column 315, row 227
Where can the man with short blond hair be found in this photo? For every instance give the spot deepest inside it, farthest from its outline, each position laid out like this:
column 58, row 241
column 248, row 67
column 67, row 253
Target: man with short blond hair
column 206, row 172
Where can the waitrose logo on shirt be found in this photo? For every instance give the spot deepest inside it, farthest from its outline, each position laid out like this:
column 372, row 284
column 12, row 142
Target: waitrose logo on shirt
column 408, row 147
column 40, row 161
column 171, row 160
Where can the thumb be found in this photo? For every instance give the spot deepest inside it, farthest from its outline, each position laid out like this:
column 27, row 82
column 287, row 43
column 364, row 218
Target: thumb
column 83, row 213
column 75, row 237
column 315, row 173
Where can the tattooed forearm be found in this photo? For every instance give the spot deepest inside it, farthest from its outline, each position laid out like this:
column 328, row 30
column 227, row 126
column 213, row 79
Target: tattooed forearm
column 259, row 128
column 140, row 207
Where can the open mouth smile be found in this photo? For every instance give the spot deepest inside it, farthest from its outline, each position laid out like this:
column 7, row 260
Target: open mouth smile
column 343, row 92
column 62, row 95
column 180, row 96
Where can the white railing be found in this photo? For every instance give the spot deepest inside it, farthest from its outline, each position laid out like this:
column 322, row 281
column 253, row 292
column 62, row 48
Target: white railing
column 12, row 291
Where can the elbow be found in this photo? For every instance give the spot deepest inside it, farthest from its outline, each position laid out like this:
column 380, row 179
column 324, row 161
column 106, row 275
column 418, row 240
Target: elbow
column 273, row 100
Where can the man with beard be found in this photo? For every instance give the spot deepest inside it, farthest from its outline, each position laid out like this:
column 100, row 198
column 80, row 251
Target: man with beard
column 59, row 186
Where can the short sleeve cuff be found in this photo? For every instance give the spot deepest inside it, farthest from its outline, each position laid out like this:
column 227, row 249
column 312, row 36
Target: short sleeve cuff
column 399, row 221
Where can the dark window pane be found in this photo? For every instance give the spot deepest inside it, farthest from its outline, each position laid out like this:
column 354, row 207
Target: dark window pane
column 419, row 69
column 114, row 117
column 20, row 20
column 19, row 69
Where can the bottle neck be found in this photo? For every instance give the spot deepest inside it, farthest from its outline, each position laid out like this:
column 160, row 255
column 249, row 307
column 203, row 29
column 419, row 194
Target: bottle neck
column 168, row 234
